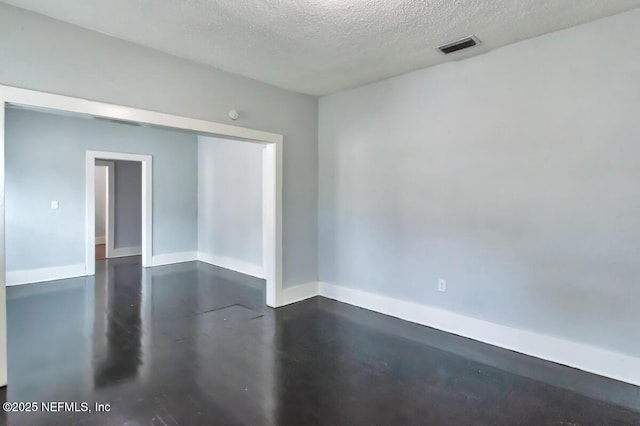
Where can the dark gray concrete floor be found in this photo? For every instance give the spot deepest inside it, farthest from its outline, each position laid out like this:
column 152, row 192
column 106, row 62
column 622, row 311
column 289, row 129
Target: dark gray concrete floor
column 194, row 344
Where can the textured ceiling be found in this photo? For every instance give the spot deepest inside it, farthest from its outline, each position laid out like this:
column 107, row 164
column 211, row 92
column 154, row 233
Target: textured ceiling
column 321, row 46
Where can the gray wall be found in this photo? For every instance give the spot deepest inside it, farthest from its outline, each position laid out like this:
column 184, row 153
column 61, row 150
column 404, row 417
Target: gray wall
column 230, row 199
column 128, row 204
column 514, row 175
column 45, row 160
column 48, row 55
column 101, row 201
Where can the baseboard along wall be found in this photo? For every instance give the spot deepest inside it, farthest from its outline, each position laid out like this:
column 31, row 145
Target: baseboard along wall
column 578, row 355
column 232, row 264
column 126, row 251
column 171, row 258
column 28, row 276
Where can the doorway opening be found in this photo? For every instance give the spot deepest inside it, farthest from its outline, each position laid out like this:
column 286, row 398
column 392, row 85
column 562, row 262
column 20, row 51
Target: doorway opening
column 272, row 173
column 118, row 208
column 119, row 205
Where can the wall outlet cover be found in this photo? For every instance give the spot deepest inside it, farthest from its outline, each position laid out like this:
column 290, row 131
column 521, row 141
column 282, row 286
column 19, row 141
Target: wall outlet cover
column 442, row 285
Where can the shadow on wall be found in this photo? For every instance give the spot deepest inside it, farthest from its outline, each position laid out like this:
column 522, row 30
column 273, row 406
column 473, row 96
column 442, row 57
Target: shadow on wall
column 230, row 202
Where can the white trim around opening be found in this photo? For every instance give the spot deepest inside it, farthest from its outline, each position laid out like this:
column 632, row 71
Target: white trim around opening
column 92, row 158
column 272, row 178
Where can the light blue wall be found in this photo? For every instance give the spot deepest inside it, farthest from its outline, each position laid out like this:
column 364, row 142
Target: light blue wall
column 514, row 175
column 128, row 204
column 230, row 199
column 45, row 161
column 44, row 54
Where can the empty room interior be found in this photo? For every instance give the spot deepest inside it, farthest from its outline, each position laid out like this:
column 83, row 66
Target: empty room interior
column 320, row 212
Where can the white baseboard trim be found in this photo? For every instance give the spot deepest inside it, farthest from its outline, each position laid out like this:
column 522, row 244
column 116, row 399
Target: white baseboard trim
column 299, row 292
column 125, row 251
column 28, row 276
column 584, row 357
column 232, row 264
column 171, row 258
column 101, row 240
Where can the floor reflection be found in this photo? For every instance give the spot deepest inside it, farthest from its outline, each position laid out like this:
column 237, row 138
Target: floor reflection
column 194, row 344
column 117, row 337
column 141, row 339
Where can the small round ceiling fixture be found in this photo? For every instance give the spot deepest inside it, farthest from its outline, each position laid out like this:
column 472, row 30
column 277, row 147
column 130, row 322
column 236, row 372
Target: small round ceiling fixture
column 234, row 114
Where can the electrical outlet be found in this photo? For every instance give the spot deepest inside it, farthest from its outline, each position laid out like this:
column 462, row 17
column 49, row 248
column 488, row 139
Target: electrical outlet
column 54, row 205
column 442, row 285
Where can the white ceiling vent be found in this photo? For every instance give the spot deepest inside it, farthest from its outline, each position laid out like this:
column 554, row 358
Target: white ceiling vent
column 455, row 46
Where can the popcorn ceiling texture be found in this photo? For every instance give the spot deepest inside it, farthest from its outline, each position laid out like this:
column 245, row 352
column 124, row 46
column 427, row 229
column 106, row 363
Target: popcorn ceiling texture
column 321, row 46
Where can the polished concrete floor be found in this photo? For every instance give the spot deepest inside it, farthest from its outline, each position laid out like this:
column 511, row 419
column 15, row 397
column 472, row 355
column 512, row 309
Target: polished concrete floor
column 194, row 344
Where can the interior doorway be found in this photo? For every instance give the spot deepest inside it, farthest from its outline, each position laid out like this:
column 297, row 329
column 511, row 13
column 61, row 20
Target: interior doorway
column 123, row 197
column 118, row 208
column 271, row 185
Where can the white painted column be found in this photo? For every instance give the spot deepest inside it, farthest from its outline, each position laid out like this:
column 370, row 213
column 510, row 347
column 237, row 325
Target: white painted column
column 3, row 272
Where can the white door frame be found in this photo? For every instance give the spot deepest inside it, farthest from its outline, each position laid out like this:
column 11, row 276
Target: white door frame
column 272, row 177
column 109, row 225
column 90, row 211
